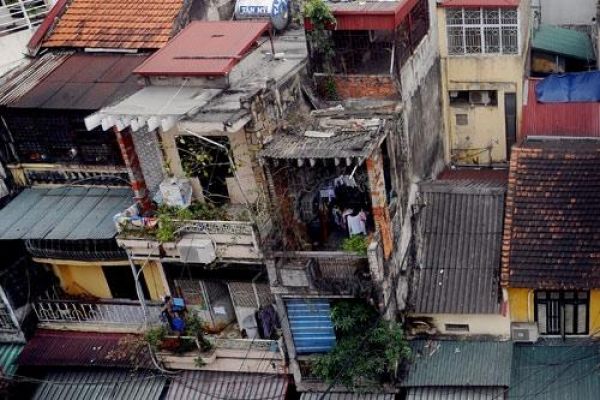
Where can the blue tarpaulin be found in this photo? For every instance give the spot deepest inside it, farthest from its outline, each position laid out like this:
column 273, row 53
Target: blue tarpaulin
column 568, row 88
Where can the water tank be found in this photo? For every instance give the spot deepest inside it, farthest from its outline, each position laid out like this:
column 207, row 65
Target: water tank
column 278, row 11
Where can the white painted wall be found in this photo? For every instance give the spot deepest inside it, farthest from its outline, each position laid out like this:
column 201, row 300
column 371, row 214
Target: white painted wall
column 571, row 12
column 479, row 324
column 12, row 49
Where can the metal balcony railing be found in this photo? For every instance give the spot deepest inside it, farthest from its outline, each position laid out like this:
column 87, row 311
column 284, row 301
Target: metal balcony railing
column 118, row 312
column 17, row 15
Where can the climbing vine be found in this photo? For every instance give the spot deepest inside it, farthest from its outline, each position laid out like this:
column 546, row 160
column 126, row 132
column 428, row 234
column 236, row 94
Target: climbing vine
column 321, row 19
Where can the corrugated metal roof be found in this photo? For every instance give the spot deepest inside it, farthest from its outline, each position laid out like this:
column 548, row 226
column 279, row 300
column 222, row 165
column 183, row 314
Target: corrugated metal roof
column 562, row 370
column 357, row 139
column 346, row 396
column 368, row 15
column 456, row 393
column 475, row 174
column 559, row 119
column 224, row 43
column 459, row 363
column 83, row 349
column 97, row 384
column 140, row 24
column 8, row 356
column 563, row 41
column 65, row 213
column 458, row 261
column 311, row 325
column 73, row 81
column 21, row 81
column 210, row 385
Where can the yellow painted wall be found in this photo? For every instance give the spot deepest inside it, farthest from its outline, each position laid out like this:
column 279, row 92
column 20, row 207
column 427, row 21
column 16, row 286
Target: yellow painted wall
column 521, row 303
column 83, row 279
column 154, row 281
column 88, row 279
column 503, row 73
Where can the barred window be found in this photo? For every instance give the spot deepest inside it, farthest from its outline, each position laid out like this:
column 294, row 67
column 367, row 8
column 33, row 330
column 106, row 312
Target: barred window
column 562, row 313
column 482, row 31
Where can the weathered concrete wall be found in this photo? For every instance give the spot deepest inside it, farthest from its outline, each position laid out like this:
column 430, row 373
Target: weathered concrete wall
column 560, row 12
column 13, row 47
column 479, row 324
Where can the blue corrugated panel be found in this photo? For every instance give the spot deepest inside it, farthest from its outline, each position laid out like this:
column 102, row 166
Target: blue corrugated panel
column 310, row 322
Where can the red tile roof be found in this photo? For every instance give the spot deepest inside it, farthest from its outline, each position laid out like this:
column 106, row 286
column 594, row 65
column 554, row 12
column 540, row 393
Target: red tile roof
column 84, row 349
column 204, row 48
column 552, row 217
column 480, row 3
column 139, row 24
column 559, row 119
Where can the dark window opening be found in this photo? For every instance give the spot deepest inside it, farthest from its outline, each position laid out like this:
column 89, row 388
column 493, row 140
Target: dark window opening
column 122, row 284
column 411, row 31
column 458, row 328
column 209, row 163
column 562, row 313
column 59, row 138
column 473, row 97
column 462, row 119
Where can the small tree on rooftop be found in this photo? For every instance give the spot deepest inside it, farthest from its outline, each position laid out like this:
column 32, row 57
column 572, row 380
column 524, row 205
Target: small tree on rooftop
column 367, row 351
column 321, row 19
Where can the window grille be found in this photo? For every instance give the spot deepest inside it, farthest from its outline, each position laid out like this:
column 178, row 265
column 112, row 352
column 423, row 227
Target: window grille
column 562, row 312
column 482, row 31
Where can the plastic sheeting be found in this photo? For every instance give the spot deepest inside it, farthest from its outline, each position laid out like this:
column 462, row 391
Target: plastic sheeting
column 567, row 88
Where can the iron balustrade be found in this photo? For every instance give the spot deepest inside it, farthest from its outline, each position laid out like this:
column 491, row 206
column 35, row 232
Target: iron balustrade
column 121, row 312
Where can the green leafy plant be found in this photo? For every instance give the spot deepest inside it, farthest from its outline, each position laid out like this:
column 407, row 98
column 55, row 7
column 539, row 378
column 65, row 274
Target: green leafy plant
column 322, row 20
column 362, row 357
column 155, row 336
column 356, row 244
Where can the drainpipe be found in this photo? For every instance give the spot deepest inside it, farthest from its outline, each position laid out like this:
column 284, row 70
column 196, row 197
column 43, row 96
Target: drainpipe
column 138, row 288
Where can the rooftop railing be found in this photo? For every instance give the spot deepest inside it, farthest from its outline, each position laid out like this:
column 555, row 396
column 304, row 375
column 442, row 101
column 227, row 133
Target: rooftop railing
column 18, row 15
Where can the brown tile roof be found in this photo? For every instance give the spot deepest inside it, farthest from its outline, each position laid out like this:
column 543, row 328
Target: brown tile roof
column 139, row 24
column 474, row 174
column 552, row 220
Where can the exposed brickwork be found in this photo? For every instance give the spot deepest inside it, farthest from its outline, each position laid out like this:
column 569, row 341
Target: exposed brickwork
column 134, row 169
column 552, row 218
column 357, row 86
column 381, row 213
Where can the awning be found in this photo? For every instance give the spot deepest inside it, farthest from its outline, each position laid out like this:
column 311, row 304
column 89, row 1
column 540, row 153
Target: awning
column 347, row 396
column 354, row 138
column 153, row 106
column 210, row 385
column 8, row 357
column 66, row 213
column 100, row 384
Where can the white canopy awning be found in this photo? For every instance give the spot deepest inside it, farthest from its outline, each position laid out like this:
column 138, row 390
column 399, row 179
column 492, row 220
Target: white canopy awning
column 153, row 106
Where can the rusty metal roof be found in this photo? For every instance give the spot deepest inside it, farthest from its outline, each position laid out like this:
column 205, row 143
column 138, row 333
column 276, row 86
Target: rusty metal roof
column 205, row 48
column 72, row 81
column 474, row 174
column 49, row 348
column 559, row 119
column 139, row 24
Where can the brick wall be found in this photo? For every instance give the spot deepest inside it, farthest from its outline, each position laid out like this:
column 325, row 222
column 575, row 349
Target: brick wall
column 134, row 170
column 378, row 87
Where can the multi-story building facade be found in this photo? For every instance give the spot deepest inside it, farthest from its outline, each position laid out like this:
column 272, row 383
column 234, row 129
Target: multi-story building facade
column 484, row 54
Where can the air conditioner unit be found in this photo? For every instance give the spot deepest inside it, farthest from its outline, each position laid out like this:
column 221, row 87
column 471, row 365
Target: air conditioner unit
column 480, row 97
column 194, row 250
column 524, row 332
